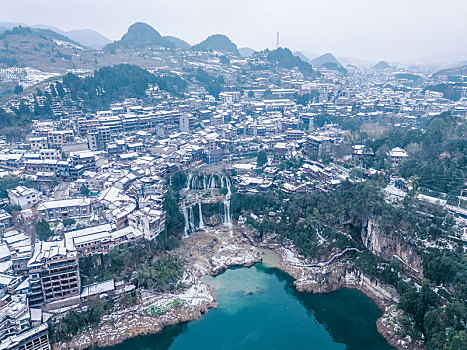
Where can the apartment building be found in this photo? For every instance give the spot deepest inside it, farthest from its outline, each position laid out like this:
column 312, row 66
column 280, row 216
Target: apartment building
column 23, row 197
column 67, row 208
column 150, row 221
column 38, row 143
column 14, row 315
column 53, row 273
column 36, row 338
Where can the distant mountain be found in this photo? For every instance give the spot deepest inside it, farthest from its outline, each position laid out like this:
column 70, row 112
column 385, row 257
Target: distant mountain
column 325, row 59
column 459, row 71
column 345, row 61
column 49, row 33
column 140, row 35
column 381, row 65
column 283, row 58
column 10, row 25
column 309, row 54
column 217, row 42
column 177, row 42
column 246, row 51
column 38, row 48
column 89, row 38
column 41, row 32
column 52, row 28
column 302, row 56
column 85, row 37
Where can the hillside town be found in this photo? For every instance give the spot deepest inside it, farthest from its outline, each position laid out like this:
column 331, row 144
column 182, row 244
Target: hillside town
column 82, row 181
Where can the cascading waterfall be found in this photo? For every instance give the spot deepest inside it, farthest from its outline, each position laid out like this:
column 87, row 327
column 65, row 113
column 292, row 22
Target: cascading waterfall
column 227, row 216
column 187, row 221
column 212, row 183
column 206, row 182
column 201, row 221
column 188, row 182
column 192, row 220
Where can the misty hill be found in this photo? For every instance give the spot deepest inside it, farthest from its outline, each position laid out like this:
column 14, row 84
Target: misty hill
column 450, row 91
column 89, row 38
column 325, row 59
column 177, row 42
column 246, row 51
column 85, row 37
column 302, row 56
column 37, row 48
column 140, row 35
column 217, row 42
column 109, row 84
column 284, row 58
column 451, row 72
column 408, row 77
column 381, row 65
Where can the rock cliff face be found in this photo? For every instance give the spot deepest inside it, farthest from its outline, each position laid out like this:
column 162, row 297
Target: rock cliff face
column 332, row 277
column 391, row 247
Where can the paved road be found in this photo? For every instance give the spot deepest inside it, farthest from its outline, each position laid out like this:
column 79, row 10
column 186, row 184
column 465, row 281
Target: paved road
column 322, row 264
column 62, row 191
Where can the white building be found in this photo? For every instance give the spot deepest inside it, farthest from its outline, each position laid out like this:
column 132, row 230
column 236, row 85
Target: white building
column 23, row 197
column 148, row 220
column 66, row 208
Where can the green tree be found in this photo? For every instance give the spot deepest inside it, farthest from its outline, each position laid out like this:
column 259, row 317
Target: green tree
column 18, row 89
column 262, row 158
column 43, row 230
column 84, row 190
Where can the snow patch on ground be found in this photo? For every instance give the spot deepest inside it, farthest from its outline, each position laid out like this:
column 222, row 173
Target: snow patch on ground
column 25, row 77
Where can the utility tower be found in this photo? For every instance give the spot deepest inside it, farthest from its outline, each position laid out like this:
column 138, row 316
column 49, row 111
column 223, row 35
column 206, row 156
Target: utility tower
column 277, row 41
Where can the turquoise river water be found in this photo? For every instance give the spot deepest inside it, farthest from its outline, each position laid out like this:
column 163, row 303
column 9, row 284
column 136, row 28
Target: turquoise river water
column 274, row 316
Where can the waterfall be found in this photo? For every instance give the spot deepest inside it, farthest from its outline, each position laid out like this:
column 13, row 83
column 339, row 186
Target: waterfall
column 211, row 182
column 187, row 221
column 228, row 184
column 201, row 221
column 227, row 216
column 204, row 182
column 192, row 220
column 188, row 182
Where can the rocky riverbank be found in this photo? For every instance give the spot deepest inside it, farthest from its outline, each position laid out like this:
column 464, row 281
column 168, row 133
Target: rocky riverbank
column 325, row 279
column 213, row 251
column 206, row 253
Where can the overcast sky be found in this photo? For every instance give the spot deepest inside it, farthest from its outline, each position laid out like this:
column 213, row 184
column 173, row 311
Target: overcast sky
column 393, row 30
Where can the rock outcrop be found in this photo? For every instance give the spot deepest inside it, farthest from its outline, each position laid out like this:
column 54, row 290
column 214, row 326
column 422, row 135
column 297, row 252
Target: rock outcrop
column 390, row 247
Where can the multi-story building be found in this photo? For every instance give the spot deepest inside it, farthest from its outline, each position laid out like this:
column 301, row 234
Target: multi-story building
column 36, row 338
column 53, row 273
column 56, row 138
column 23, row 197
column 397, row 154
column 38, row 142
column 66, row 208
column 316, row 145
column 50, row 154
column 5, row 219
column 99, row 139
column 187, row 122
column 99, row 239
column 14, row 315
column 148, row 220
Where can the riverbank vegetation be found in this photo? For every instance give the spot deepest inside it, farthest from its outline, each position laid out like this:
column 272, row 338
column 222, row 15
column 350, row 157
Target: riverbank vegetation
column 319, row 223
column 75, row 322
column 127, row 261
column 163, row 275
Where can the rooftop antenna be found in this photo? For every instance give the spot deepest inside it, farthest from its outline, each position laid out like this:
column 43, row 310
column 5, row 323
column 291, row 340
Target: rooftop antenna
column 277, row 41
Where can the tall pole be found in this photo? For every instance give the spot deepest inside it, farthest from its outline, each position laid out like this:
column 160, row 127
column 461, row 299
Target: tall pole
column 277, row 41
